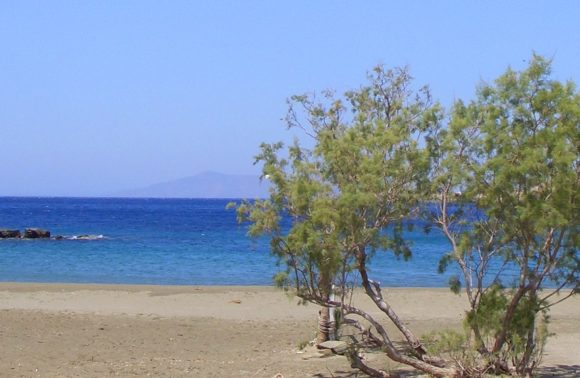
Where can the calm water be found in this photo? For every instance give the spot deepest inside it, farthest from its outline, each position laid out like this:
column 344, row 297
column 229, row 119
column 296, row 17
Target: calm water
column 165, row 241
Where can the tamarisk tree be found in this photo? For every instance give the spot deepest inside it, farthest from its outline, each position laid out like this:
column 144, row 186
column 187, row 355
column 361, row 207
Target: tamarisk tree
column 500, row 182
column 366, row 172
column 507, row 178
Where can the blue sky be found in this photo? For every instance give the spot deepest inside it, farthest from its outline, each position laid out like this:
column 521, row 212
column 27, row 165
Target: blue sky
column 99, row 96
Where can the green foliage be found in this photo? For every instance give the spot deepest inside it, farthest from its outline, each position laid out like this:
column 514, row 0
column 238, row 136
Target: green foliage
column 455, row 284
column 514, row 155
column 366, row 171
column 455, row 346
column 281, row 279
column 528, row 326
column 504, row 175
column 488, row 315
column 448, row 342
column 444, row 262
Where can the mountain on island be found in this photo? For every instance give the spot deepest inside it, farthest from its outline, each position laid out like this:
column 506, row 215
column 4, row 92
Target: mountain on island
column 203, row 185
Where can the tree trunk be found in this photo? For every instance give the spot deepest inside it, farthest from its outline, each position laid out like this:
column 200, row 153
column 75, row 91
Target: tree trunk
column 376, row 297
column 325, row 326
column 323, row 333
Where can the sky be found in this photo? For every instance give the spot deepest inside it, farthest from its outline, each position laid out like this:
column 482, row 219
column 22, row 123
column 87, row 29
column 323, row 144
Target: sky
column 102, row 96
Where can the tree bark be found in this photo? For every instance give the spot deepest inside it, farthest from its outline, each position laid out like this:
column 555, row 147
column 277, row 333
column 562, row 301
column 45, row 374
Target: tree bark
column 397, row 356
column 323, row 333
column 376, row 296
column 325, row 327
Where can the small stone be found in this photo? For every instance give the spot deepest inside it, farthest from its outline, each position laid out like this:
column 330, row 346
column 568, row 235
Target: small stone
column 338, row 347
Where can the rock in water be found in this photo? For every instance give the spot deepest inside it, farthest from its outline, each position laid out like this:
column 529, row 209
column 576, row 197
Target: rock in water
column 36, row 233
column 4, row 234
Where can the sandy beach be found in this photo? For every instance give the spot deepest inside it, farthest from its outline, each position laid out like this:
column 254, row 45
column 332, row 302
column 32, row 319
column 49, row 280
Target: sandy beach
column 57, row 330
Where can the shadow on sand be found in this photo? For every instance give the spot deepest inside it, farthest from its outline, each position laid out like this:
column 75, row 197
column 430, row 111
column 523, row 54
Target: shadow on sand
column 560, row 371
column 563, row 371
column 357, row 374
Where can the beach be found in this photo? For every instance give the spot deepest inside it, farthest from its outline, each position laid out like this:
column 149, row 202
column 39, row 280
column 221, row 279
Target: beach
column 70, row 330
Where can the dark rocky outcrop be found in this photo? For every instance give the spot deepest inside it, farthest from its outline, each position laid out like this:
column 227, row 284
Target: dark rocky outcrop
column 5, row 234
column 39, row 233
column 36, row 233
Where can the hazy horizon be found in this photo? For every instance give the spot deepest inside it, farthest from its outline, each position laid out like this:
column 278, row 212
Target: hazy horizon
column 204, row 185
column 99, row 97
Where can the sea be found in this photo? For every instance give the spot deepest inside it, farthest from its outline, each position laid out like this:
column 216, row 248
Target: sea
column 167, row 242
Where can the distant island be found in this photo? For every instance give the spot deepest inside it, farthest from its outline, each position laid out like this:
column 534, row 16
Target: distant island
column 204, row 185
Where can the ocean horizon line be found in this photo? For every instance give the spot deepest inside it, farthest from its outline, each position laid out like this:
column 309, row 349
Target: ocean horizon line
column 121, row 197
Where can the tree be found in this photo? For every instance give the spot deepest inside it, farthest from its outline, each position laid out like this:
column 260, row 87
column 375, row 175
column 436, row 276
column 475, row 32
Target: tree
column 504, row 177
column 513, row 154
column 365, row 175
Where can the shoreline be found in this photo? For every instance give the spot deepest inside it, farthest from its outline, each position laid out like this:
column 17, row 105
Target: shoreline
column 208, row 331
column 136, row 287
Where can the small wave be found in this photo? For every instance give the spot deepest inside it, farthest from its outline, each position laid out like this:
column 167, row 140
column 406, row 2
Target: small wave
column 85, row 237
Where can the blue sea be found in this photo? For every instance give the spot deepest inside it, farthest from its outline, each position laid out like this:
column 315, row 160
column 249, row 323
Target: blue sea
column 168, row 242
